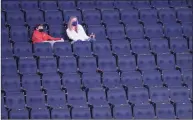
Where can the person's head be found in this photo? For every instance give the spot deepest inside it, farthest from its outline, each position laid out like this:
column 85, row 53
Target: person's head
column 40, row 27
column 72, row 22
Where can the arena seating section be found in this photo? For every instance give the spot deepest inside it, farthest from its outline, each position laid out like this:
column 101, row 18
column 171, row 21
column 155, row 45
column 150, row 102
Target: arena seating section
column 140, row 65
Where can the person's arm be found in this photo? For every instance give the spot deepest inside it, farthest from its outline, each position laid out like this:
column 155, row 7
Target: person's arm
column 83, row 32
column 71, row 36
column 52, row 38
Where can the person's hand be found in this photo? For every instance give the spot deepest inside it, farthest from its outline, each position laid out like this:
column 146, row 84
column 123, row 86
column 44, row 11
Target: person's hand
column 92, row 35
column 62, row 39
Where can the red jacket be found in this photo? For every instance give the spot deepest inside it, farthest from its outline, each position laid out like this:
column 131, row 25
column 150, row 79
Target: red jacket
column 42, row 36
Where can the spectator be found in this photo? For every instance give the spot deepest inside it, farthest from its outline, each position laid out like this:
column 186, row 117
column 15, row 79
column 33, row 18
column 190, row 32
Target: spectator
column 76, row 32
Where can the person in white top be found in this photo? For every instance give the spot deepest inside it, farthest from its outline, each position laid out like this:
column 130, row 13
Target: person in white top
column 76, row 32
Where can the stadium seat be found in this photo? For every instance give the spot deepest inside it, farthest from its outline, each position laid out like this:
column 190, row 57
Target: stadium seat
column 179, row 45
column 53, row 17
column 102, row 48
column 97, row 97
column 40, row 114
column 56, row 99
column 91, row 80
column 91, row 17
column 122, row 112
column 34, row 17
column 10, row 5
column 29, row 5
column 117, row 96
column 43, row 49
column 126, row 63
column 129, row 16
column 57, row 31
column 47, row 65
column 3, row 18
column 148, row 16
column 62, row 49
column 86, row 5
column 110, row 17
column 159, row 94
column 6, row 51
column 15, row 100
column 67, row 64
column 184, row 61
column 35, row 99
column 48, row 5
column 87, row 64
column 105, row 5
column 179, row 94
column 27, row 66
column 134, row 31
column 15, row 18
column 5, row 36
column 68, row 14
column 81, row 113
column 166, row 61
column 60, row 114
column 165, row 111
column 167, row 16
column 184, row 15
column 107, row 63
column 178, row 3
column 19, row 114
column 19, row 34
column 121, row 47
column 173, row 30
column 51, row 81
column 67, row 5
column 184, row 110
column 131, row 79
column 187, row 29
column 123, row 4
column 189, row 2
column 99, row 32
column 154, row 31
column 82, row 48
column 71, row 81
column 159, row 45
column 187, row 77
column 152, row 78
column 23, row 49
column 146, row 62
column 160, row 4
column 141, row 4
column 31, row 82
column 111, row 79
column 8, row 66
column 102, row 113
column 116, row 32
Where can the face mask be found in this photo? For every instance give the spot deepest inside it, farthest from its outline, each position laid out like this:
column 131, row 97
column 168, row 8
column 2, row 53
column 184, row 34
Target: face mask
column 41, row 30
column 74, row 23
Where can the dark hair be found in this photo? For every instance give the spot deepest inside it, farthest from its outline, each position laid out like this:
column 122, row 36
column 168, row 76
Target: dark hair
column 38, row 26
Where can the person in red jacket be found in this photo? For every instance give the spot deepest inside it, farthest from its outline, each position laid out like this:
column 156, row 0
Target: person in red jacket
column 40, row 36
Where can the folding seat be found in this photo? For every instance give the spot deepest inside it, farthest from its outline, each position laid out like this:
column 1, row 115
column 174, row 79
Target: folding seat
column 99, row 32
column 165, row 111
column 57, row 31
column 47, row 65
column 43, row 49
column 10, row 5
column 121, row 47
column 146, row 62
column 97, row 97
column 111, row 79
column 53, row 17
column 19, row 34
column 91, row 17
column 138, row 95
column 67, row 64
column 172, row 78
column 27, row 66
column 102, row 48
column 66, row 5
column 152, row 78
column 48, row 5
column 166, row 61
column 159, row 94
column 5, row 36
column 140, row 46
column 126, row 63
column 31, row 82
column 131, row 79
column 184, row 110
column 107, row 64
column 91, row 80
column 129, row 17
column 6, row 51
column 82, row 48
column 179, row 94
column 81, row 113
column 76, row 97
column 187, row 29
column 56, row 99
column 134, row 31
column 110, row 17
column 29, row 5
column 122, row 112
column 15, row 18
column 60, row 113
column 40, row 114
column 102, row 113
column 68, row 14
column 87, row 64
column 62, row 49
column 167, row 16
column 184, row 15
column 71, row 81
column 34, row 17
column 105, row 5
column 187, row 77
column 8, row 66
column 184, row 61
column 116, row 32
column 23, row 49
column 179, row 45
column 159, row 45
column 178, row 3
column 160, row 4
column 3, row 18
column 19, row 114
column 148, row 16
column 141, row 4
column 35, row 99
column 117, row 96
column 15, row 100
column 154, row 31
column 144, row 111
column 123, row 5
column 51, row 81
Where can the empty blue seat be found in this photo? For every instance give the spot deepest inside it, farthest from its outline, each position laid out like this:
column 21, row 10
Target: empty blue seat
column 144, row 111
column 23, row 49
column 91, row 80
column 47, row 65
column 187, row 29
column 116, row 32
column 29, row 5
column 102, row 113
column 48, row 5
column 53, row 17
column 56, row 99
column 159, row 94
column 105, row 4
column 81, row 113
column 129, row 16
column 187, row 77
column 40, row 114
column 140, row 46
column 99, row 32
column 60, row 113
column 27, row 65
column 117, row 96
column 165, row 111
column 35, row 99
column 138, row 95
column 8, row 66
column 184, row 110
column 179, row 45
column 71, row 81
column 172, row 78
column 97, row 97
column 166, row 61
column 91, row 17
column 10, row 5
column 189, row 2
column 121, row 47
column 19, row 114
column 6, row 51
column 87, row 64
column 111, row 79
column 15, row 100
column 122, row 4
column 51, row 81
column 3, row 18
column 31, row 82
column 184, row 61
column 66, row 5
column 68, row 14
column 15, row 18
column 159, row 45
column 154, row 31
column 76, row 97
column 82, row 48
column 146, row 62
column 10, row 83
column 126, row 63
column 5, row 36
column 179, row 94
column 67, row 64
column 34, row 17
column 167, row 16
column 141, row 4
column 160, row 4
column 110, row 17
column 184, row 15
column 62, row 49
column 131, row 79
column 148, row 16
column 102, row 48
column 178, row 3
column 134, row 31
column 19, row 34
column 43, row 49
column 122, row 112
column 57, row 31
column 85, row 5
column 107, row 63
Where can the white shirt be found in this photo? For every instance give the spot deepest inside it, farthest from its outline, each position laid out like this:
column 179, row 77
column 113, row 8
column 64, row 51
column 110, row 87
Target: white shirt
column 80, row 35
